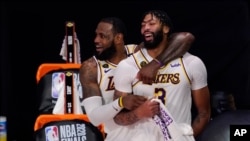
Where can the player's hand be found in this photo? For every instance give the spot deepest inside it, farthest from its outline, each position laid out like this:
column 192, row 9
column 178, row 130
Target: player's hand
column 148, row 109
column 147, row 73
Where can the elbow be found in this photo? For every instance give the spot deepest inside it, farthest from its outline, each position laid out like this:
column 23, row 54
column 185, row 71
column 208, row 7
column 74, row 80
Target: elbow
column 187, row 37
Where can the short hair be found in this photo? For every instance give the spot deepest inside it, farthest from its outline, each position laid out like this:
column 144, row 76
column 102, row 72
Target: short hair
column 118, row 25
column 162, row 16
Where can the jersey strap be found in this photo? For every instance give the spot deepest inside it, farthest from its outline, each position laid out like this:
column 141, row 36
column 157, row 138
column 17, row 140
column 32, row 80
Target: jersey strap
column 140, row 59
column 130, row 48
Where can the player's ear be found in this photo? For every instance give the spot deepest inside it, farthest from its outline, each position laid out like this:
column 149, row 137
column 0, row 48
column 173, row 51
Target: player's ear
column 165, row 29
column 119, row 37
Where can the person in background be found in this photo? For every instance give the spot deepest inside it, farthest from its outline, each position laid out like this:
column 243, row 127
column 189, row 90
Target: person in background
column 176, row 84
column 96, row 73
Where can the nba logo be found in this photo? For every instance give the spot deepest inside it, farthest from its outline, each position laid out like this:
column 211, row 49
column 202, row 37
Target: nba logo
column 58, row 84
column 51, row 133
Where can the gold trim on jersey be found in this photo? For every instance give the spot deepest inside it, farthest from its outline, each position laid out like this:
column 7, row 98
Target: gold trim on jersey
column 130, row 48
column 106, row 65
column 99, row 69
column 140, row 59
column 184, row 70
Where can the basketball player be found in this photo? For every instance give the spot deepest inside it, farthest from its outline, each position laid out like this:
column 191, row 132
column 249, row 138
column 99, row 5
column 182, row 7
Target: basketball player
column 96, row 73
column 175, row 85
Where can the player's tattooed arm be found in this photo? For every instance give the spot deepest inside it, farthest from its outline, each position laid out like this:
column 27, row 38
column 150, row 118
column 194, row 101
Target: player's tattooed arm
column 135, row 108
column 126, row 117
column 88, row 78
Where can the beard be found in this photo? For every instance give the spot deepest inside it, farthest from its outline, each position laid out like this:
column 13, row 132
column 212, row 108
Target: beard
column 157, row 38
column 107, row 53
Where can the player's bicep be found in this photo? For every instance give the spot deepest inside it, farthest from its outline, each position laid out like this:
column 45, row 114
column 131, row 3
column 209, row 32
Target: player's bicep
column 88, row 79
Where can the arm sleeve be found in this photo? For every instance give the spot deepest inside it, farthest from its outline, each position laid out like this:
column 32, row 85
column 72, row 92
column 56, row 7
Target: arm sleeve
column 99, row 113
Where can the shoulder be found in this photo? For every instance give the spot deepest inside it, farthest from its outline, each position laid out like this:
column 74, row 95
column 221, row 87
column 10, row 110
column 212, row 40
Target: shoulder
column 190, row 58
column 194, row 65
column 92, row 61
column 126, row 62
column 89, row 64
column 88, row 71
column 131, row 48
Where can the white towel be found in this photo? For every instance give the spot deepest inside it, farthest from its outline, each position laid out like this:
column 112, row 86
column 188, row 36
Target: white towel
column 171, row 130
column 63, row 51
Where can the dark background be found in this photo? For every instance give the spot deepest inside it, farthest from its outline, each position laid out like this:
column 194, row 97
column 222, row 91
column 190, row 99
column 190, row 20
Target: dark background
column 32, row 34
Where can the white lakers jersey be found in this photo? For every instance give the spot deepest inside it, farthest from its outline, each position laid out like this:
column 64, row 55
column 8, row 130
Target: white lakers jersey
column 172, row 86
column 173, row 83
column 105, row 75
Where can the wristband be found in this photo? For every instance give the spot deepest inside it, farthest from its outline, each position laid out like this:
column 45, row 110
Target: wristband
column 120, row 102
column 156, row 60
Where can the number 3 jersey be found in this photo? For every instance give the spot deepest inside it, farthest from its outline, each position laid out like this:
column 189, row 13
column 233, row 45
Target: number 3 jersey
column 172, row 85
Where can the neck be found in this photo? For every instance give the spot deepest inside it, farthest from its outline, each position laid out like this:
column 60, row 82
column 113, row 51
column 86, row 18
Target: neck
column 118, row 56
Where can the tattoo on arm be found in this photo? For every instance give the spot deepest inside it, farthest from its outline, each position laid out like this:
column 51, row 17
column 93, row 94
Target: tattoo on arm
column 88, row 78
column 200, row 122
column 126, row 117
